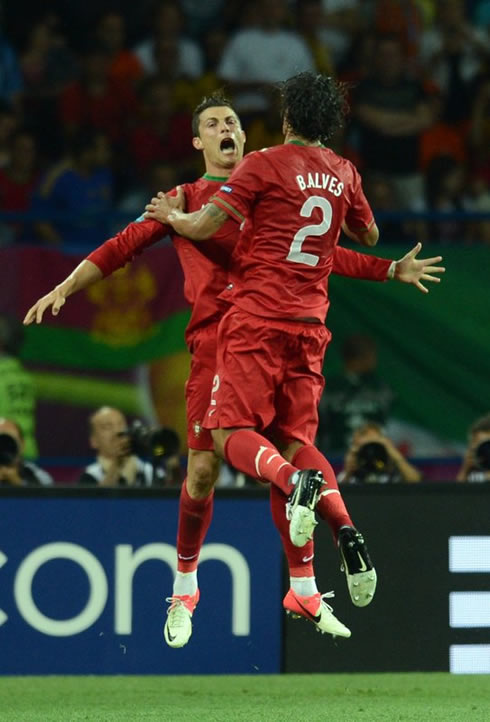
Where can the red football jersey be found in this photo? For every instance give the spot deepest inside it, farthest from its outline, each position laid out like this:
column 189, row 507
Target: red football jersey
column 205, row 264
column 292, row 200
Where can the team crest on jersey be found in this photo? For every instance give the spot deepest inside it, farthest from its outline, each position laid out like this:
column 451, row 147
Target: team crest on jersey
column 197, row 428
column 226, row 189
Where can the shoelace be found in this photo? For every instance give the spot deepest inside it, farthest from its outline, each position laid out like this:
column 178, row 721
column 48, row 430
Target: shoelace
column 177, row 611
column 328, row 595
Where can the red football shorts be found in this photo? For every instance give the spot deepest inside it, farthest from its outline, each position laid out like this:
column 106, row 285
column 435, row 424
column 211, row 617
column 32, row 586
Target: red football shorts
column 199, row 385
column 268, row 372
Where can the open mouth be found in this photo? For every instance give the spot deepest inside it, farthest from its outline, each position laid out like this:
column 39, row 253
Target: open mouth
column 227, row 145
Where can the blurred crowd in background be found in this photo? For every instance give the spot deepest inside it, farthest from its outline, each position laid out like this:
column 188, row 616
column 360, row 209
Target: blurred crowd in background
column 96, row 101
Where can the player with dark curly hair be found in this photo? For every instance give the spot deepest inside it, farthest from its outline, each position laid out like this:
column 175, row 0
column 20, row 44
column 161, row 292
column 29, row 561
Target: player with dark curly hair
column 292, row 201
column 314, row 105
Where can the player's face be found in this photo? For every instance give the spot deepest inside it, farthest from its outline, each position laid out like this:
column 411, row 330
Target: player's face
column 221, row 137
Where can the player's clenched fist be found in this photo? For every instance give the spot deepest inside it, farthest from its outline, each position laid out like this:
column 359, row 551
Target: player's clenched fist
column 56, row 299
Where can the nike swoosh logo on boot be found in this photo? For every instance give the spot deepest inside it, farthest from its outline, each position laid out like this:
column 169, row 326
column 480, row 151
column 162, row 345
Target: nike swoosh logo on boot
column 363, row 567
column 314, row 618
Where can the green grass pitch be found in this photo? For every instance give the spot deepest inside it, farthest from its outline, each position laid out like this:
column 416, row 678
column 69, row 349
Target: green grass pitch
column 295, row 698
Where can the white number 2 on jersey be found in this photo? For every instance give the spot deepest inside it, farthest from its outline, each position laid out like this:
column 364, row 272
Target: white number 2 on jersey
column 296, row 255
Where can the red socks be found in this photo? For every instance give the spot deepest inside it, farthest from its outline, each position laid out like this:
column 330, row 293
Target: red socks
column 194, row 519
column 296, row 556
column 252, row 454
column 330, row 506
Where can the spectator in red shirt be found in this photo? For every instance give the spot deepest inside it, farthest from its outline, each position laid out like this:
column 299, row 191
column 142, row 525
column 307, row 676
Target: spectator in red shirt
column 48, row 66
column 97, row 101
column 163, row 134
column 17, row 181
column 124, row 65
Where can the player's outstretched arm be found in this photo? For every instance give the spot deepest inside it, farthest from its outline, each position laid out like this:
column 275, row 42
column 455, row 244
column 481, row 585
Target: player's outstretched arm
column 84, row 275
column 365, row 238
column 104, row 260
column 409, row 269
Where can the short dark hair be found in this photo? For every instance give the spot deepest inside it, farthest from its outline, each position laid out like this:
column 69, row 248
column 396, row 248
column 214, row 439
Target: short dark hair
column 217, row 100
column 481, row 424
column 313, row 105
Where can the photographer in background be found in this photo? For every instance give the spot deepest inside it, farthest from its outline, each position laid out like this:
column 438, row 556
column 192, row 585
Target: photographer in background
column 120, row 448
column 476, row 462
column 373, row 458
column 14, row 471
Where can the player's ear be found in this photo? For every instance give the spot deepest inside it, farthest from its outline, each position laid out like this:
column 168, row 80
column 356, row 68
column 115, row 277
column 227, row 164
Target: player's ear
column 197, row 143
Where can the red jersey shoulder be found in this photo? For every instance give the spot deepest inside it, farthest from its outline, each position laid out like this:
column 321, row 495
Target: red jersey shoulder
column 255, row 157
column 197, row 194
column 293, row 151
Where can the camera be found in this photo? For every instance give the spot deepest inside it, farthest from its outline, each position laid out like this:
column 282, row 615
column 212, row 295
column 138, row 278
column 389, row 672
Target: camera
column 154, row 443
column 9, row 450
column 482, row 455
column 372, row 458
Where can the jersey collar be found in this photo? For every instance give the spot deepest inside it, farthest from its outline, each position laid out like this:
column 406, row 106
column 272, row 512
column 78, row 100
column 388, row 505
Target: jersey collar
column 207, row 176
column 300, row 142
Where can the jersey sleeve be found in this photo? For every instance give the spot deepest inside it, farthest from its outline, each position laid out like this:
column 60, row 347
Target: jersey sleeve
column 347, row 262
column 359, row 216
column 128, row 243
column 238, row 194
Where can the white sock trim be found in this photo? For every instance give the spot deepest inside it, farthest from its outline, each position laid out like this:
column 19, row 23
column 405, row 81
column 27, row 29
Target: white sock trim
column 257, row 459
column 304, row 586
column 185, row 583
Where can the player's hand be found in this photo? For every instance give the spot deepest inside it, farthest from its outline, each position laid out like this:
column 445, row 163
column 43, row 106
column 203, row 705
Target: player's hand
column 409, row 269
column 56, row 299
column 159, row 208
column 176, row 201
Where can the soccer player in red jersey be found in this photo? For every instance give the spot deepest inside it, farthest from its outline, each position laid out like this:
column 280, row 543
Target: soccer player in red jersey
column 292, row 202
column 217, row 132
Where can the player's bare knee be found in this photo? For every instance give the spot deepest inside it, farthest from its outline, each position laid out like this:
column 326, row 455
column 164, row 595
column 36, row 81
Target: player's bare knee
column 201, row 482
column 202, row 473
column 291, row 449
column 219, row 438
